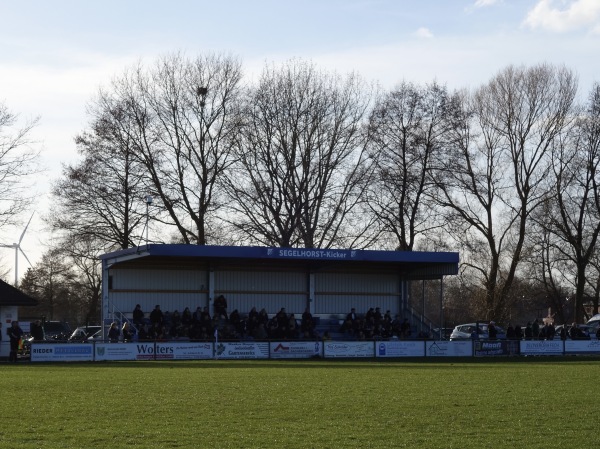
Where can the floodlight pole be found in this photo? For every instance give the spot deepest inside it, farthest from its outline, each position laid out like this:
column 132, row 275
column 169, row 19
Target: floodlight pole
column 148, row 203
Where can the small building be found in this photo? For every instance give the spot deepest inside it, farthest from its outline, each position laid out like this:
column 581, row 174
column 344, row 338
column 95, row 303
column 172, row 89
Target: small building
column 11, row 299
column 326, row 281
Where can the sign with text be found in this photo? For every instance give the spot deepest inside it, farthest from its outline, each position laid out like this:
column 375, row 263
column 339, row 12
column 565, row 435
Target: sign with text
column 582, row 346
column 496, row 347
column 448, row 348
column 295, row 349
column 542, row 347
column 335, row 349
column 62, row 352
column 247, row 350
column 399, row 348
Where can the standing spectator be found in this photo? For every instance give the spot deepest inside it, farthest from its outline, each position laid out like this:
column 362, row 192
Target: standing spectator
column 352, row 315
column 15, row 333
column 221, row 307
column 307, row 324
column 518, row 332
column 510, row 332
column 138, row 315
column 563, row 332
column 37, row 330
column 528, row 331
column 156, row 316
column 492, row 332
column 535, row 329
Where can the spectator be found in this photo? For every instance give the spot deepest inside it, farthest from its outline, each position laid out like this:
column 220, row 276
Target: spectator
column 352, row 315
column 377, row 315
column 186, row 317
column 307, row 324
column 492, row 332
column 114, row 333
column 221, row 307
column 252, row 321
column 263, row 317
column 535, row 329
column 292, row 327
column 156, row 316
column 197, row 316
column 138, row 315
column 127, row 332
column 510, row 332
column 405, row 329
column 37, row 330
column 528, row 331
column 15, row 334
column 518, row 332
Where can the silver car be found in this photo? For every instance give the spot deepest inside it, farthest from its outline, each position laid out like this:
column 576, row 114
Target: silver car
column 468, row 332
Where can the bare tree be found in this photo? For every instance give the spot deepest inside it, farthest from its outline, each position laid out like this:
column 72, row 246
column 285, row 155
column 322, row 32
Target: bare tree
column 575, row 221
column 405, row 135
column 185, row 118
column 301, row 159
column 492, row 176
column 100, row 197
column 18, row 162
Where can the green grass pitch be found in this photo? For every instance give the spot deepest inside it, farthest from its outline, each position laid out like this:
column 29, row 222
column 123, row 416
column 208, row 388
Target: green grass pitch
column 476, row 403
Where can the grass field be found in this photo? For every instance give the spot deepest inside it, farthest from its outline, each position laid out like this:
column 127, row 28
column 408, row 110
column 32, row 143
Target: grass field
column 477, row 403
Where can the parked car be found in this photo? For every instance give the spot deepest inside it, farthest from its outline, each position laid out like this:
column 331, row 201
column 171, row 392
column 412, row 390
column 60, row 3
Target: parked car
column 466, row 332
column 443, row 333
column 56, row 330
column 82, row 333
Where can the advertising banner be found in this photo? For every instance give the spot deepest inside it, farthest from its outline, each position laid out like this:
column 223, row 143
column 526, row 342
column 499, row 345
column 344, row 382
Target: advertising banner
column 295, row 349
column 582, row 346
column 247, row 350
column 542, row 347
column 485, row 348
column 397, row 348
column 448, row 348
column 334, row 349
column 152, row 351
column 41, row 352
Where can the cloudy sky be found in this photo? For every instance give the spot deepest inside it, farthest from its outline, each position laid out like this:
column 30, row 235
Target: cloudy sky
column 55, row 54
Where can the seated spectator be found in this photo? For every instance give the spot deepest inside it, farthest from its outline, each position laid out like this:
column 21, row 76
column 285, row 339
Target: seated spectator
column 292, row 328
column 127, row 331
column 260, row 333
column 186, row 317
column 263, row 317
column 114, row 333
column 352, row 315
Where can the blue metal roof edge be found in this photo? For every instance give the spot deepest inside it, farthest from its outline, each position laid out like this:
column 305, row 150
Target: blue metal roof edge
column 256, row 252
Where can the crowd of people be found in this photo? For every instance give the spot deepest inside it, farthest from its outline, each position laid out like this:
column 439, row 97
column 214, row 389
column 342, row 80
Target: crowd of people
column 255, row 324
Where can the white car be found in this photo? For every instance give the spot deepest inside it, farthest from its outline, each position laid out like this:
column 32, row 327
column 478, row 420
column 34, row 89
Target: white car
column 467, row 331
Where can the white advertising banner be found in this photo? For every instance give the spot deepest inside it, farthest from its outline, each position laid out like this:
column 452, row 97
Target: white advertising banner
column 396, row 348
column 247, row 350
column 47, row 352
column 295, row 349
column 542, row 347
column 449, row 349
column 334, row 349
column 152, row 351
column 582, row 346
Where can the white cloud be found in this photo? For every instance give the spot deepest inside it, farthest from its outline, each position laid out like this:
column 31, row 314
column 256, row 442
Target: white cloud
column 577, row 14
column 424, row 33
column 485, row 3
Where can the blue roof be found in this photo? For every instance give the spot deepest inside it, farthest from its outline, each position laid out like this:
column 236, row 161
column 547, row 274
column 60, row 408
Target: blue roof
column 437, row 263
column 255, row 252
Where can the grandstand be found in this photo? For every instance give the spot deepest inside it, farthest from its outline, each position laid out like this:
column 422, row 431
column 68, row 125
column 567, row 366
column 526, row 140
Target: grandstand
column 326, row 281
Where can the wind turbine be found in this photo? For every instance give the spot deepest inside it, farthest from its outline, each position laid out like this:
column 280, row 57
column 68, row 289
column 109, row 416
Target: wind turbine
column 17, row 247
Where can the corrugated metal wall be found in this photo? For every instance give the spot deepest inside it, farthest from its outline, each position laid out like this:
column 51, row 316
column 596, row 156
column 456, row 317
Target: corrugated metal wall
column 337, row 293
column 171, row 289
column 269, row 290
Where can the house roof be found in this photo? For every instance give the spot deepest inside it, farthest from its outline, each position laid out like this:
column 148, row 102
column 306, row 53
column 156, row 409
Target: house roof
column 412, row 264
column 11, row 296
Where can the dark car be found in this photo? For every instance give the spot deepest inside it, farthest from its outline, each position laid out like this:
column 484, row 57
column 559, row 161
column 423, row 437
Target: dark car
column 56, row 330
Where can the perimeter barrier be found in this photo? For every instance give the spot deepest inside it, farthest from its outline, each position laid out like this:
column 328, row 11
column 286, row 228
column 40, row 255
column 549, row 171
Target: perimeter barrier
column 187, row 350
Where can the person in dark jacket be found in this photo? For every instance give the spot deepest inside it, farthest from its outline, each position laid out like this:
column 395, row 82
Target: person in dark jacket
column 15, row 333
